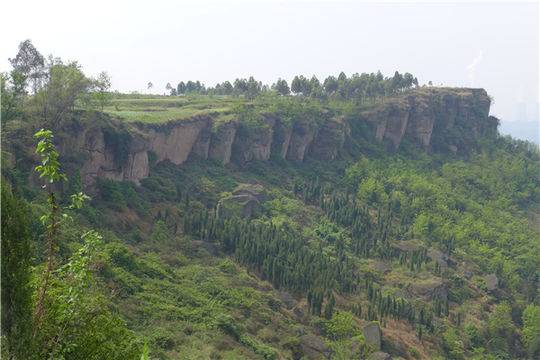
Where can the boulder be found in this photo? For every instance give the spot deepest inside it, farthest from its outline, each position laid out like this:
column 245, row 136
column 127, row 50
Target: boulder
column 372, row 334
column 407, row 245
column 314, row 347
column 381, row 266
column 430, row 289
column 379, row 355
column 287, row 299
column 438, row 257
column 244, row 206
column 492, row 282
column 255, row 190
column 245, row 201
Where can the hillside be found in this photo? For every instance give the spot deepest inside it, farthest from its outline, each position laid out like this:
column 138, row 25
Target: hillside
column 285, row 227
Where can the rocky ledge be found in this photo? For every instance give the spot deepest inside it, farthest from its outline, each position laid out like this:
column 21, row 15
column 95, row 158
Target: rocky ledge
column 433, row 119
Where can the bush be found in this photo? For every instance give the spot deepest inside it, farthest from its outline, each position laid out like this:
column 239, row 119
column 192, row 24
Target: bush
column 340, row 326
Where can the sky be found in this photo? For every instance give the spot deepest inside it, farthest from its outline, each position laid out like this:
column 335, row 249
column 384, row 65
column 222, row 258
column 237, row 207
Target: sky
column 493, row 45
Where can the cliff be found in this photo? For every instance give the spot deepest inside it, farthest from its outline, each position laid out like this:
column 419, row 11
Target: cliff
column 433, row 119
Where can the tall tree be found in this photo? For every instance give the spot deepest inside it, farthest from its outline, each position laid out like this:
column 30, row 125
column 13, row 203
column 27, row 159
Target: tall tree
column 16, row 290
column 30, row 63
column 282, row 87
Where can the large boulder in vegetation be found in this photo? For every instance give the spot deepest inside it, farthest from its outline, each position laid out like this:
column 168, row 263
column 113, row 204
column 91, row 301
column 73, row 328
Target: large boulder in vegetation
column 245, row 202
column 372, row 334
column 314, row 347
column 492, row 282
column 440, row 258
column 434, row 288
column 379, row 355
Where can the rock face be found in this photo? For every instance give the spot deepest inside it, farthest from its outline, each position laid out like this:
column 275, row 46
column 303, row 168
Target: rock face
column 372, row 334
column 103, row 159
column 252, row 144
column 174, row 143
column 330, row 139
column 434, row 119
column 455, row 118
column 302, row 136
column 221, row 142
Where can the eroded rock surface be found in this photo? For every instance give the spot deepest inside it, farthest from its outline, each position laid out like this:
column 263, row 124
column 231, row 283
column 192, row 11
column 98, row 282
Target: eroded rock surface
column 434, row 119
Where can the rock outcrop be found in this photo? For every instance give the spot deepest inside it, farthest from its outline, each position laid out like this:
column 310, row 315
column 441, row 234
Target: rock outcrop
column 174, row 142
column 302, row 136
column 221, row 142
column 245, row 201
column 435, row 119
column 372, row 334
column 330, row 139
column 455, row 117
column 253, row 144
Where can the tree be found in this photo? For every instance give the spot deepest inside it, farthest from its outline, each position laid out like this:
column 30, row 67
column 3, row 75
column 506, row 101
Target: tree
column 531, row 330
column 253, row 88
column 330, row 85
column 66, row 85
column 301, row 85
column 240, row 86
column 30, row 64
column 500, row 327
column 282, row 87
column 101, row 86
column 169, row 88
column 71, row 318
column 149, row 86
column 12, row 92
column 181, row 88
column 227, row 88
column 16, row 290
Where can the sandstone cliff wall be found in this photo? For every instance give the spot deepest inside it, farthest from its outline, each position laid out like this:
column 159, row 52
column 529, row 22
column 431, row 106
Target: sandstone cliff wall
column 443, row 119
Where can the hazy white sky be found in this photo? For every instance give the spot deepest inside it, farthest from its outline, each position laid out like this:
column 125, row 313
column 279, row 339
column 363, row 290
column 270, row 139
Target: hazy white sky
column 494, row 45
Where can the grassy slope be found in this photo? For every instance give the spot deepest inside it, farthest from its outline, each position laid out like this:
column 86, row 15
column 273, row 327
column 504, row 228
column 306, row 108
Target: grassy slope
column 156, row 109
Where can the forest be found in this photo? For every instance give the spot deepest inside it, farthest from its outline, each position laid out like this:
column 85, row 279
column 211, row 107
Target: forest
column 377, row 251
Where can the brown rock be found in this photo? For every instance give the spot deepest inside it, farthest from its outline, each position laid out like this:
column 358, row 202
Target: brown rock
column 174, row 142
column 302, row 136
column 221, row 142
column 314, row 347
column 330, row 139
column 372, row 334
column 379, row 355
column 253, row 144
column 492, row 282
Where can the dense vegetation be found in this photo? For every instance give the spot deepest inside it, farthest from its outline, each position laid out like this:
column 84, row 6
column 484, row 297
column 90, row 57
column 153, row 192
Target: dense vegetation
column 409, row 241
